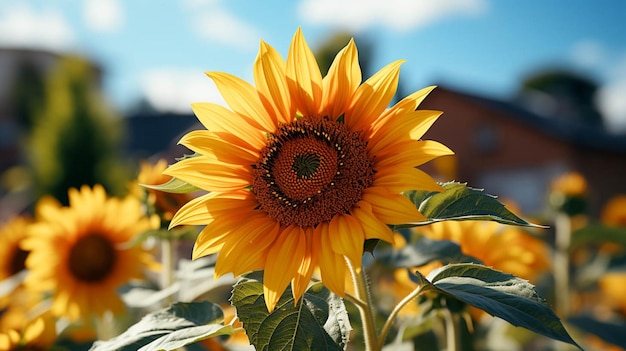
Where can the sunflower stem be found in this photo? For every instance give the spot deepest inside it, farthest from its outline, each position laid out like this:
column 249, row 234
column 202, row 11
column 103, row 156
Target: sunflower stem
column 365, row 307
column 394, row 314
column 451, row 330
column 168, row 260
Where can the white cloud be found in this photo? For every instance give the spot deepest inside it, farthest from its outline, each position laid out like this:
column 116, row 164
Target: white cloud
column 397, row 15
column 23, row 26
column 103, row 15
column 175, row 89
column 219, row 25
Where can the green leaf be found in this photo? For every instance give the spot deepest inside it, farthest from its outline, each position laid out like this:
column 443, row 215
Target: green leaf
column 174, row 185
column 499, row 294
column 425, row 250
column 609, row 331
column 598, row 234
column 171, row 328
column 460, row 202
column 318, row 321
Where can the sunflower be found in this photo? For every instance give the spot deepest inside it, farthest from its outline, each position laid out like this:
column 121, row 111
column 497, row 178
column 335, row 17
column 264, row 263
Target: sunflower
column 302, row 169
column 40, row 334
column 82, row 253
column 506, row 248
column 614, row 212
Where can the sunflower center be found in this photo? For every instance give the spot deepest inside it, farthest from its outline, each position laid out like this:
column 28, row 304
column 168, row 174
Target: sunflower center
column 92, row 258
column 311, row 170
column 305, row 165
column 18, row 260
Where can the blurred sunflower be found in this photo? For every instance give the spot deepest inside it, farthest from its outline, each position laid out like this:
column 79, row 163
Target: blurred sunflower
column 38, row 335
column 12, row 256
column 302, row 169
column 82, row 253
column 165, row 204
column 506, row 248
column 614, row 212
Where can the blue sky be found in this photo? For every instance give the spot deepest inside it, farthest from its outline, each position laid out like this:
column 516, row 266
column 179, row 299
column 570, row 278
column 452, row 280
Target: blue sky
column 159, row 49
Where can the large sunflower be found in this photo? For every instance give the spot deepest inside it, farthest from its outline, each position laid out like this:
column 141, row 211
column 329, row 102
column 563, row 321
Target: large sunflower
column 82, row 253
column 302, row 169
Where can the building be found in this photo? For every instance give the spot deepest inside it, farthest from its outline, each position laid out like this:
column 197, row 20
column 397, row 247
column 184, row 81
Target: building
column 514, row 153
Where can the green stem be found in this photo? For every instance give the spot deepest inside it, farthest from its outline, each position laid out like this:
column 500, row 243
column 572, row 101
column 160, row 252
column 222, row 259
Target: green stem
column 168, row 259
column 451, row 330
column 563, row 234
column 365, row 307
column 394, row 313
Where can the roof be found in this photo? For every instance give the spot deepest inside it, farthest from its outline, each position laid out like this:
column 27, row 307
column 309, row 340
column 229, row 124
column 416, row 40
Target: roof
column 578, row 134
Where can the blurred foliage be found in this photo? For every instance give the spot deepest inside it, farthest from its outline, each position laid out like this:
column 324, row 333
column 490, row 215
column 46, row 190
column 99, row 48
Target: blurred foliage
column 572, row 94
column 28, row 94
column 75, row 137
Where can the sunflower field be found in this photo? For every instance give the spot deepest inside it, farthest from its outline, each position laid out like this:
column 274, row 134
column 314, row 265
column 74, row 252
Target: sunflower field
column 302, row 218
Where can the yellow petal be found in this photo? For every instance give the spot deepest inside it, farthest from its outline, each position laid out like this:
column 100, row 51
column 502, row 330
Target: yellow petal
column 217, row 118
column 283, row 260
column 209, row 143
column 246, row 245
column 243, row 98
column 373, row 228
column 399, row 179
column 372, row 97
column 401, row 128
column 347, row 238
column 271, row 82
column 303, row 76
column 301, row 281
column 210, row 174
column 342, row 80
column 410, row 153
column 332, row 265
column 406, row 105
column 193, row 212
column 391, row 208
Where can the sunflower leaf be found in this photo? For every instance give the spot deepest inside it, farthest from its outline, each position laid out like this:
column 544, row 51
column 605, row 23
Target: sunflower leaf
column 425, row 250
column 318, row 321
column 501, row 295
column 171, row 328
column 460, row 202
column 174, row 185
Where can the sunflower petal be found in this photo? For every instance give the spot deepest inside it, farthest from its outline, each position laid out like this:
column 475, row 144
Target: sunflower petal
column 283, row 260
column 217, row 118
column 243, row 98
column 301, row 281
column 411, row 153
column 193, row 212
column 247, row 246
column 373, row 228
column 372, row 97
column 347, row 238
column 399, row 179
column 401, row 128
column 332, row 265
column 210, row 174
column 342, row 80
column 209, row 143
column 391, row 208
column 270, row 80
column 303, row 76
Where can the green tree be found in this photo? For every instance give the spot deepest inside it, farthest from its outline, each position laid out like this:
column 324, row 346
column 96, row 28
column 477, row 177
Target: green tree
column 75, row 140
column 571, row 95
